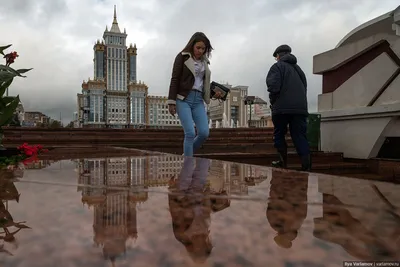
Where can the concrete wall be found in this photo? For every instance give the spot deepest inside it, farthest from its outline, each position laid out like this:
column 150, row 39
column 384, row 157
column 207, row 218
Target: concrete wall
column 362, row 87
column 336, row 57
column 391, row 95
column 358, row 113
column 359, row 132
column 337, row 135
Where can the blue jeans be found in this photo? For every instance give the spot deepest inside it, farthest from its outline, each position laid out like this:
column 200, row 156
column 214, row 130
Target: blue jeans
column 192, row 110
column 193, row 175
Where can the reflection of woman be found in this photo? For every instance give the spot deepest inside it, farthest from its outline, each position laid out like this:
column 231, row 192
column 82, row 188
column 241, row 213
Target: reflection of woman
column 191, row 212
column 192, row 200
column 287, row 206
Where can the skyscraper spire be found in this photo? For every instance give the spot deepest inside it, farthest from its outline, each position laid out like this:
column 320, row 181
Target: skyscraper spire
column 115, row 14
column 114, row 26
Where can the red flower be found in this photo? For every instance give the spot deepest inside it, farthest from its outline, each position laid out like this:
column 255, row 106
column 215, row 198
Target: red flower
column 31, row 150
column 30, row 160
column 10, row 58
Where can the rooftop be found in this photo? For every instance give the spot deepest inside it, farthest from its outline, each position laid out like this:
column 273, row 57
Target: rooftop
column 155, row 209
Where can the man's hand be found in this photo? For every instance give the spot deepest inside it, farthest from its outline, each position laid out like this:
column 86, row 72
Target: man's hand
column 172, row 109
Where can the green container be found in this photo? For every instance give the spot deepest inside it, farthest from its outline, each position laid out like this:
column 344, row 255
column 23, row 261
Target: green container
column 314, row 131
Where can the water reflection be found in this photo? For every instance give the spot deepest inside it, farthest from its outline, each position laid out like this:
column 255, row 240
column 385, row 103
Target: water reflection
column 190, row 208
column 146, row 209
column 197, row 188
column 337, row 225
column 114, row 211
column 9, row 228
column 287, row 205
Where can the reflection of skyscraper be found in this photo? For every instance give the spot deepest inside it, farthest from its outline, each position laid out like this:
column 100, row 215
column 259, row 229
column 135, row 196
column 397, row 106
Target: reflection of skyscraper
column 114, row 187
column 114, row 223
column 113, row 201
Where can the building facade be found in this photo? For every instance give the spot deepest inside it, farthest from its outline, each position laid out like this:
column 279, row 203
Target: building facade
column 259, row 115
column 158, row 114
column 35, row 118
column 232, row 110
column 114, row 98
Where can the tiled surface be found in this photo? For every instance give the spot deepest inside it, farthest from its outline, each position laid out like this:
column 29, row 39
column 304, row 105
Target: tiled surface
column 160, row 211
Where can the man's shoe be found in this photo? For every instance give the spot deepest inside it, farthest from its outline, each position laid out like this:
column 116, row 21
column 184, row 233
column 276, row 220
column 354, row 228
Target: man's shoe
column 282, row 162
column 278, row 164
column 306, row 163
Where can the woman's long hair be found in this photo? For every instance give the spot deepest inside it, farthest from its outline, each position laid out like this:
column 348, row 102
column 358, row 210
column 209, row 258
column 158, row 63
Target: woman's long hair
column 198, row 37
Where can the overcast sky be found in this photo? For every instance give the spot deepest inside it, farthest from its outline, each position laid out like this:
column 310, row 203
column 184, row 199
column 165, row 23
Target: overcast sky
column 56, row 38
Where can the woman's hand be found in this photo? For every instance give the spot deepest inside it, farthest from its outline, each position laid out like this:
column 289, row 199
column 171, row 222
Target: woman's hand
column 172, row 109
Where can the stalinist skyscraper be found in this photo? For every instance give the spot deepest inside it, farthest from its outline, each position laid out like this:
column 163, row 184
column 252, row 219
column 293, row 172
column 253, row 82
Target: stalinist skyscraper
column 114, row 98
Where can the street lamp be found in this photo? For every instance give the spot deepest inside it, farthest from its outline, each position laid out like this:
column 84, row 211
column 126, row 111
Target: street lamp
column 249, row 100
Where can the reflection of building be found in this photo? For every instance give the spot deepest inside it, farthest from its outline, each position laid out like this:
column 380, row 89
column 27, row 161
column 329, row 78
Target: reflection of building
column 158, row 115
column 114, row 221
column 363, row 221
column 39, row 164
column 116, row 188
column 235, row 178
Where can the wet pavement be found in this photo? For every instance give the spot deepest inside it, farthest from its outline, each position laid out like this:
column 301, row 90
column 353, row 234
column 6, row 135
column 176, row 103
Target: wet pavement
column 164, row 210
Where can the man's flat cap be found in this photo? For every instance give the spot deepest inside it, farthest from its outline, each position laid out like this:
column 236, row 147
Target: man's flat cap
column 282, row 49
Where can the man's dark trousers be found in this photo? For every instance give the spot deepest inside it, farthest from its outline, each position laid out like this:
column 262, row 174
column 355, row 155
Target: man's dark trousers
column 298, row 131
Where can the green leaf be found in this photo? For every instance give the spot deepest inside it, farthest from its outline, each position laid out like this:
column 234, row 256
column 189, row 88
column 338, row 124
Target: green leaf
column 4, row 68
column 7, row 112
column 2, row 48
column 6, row 100
column 4, row 85
column 4, row 75
column 20, row 71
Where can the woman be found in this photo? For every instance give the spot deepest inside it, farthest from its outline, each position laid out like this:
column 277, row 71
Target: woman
column 190, row 89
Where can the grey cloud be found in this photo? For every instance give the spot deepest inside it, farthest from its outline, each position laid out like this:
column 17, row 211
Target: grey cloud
column 18, row 7
column 56, row 38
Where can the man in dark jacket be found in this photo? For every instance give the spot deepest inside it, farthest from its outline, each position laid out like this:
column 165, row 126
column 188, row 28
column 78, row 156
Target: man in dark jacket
column 287, row 87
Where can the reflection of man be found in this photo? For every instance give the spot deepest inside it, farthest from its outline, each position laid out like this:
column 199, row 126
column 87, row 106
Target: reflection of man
column 287, row 205
column 287, row 87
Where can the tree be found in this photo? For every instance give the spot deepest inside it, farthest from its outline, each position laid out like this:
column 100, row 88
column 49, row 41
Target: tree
column 55, row 124
column 70, row 125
